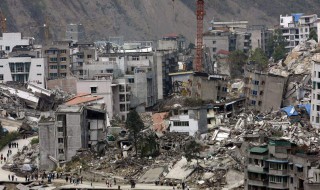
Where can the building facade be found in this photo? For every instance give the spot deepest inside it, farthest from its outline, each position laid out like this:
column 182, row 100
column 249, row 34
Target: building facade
column 58, row 60
column 72, row 128
column 315, row 97
column 263, row 91
column 189, row 120
column 24, row 70
column 296, row 28
column 281, row 165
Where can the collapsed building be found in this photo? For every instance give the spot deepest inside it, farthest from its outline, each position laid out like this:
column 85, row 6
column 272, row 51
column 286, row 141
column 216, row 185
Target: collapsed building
column 69, row 130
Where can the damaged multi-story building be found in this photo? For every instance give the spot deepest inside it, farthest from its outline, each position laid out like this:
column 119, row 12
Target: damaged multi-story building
column 200, row 85
column 21, row 60
column 281, row 165
column 70, row 129
column 263, row 90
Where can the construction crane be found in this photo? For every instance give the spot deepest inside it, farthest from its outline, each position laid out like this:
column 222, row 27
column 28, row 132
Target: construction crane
column 200, row 15
column 3, row 21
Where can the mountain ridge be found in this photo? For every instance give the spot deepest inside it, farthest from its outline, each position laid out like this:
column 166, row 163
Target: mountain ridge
column 140, row 19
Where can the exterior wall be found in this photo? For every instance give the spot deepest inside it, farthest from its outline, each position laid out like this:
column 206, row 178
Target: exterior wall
column 35, row 74
column 75, row 32
column 68, row 84
column 197, row 119
column 285, row 20
column 58, row 60
column 191, row 129
column 216, row 41
column 264, row 92
column 46, row 145
column 167, row 45
column 9, row 40
column 315, row 98
column 104, row 89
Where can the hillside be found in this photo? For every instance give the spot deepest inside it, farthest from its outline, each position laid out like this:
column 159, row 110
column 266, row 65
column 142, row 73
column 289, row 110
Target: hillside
column 140, row 19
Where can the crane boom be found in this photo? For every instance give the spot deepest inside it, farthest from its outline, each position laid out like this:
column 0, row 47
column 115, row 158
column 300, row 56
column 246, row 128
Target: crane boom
column 200, row 14
column 3, row 21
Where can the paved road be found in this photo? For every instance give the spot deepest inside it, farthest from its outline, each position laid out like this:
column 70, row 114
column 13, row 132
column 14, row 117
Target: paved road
column 3, row 173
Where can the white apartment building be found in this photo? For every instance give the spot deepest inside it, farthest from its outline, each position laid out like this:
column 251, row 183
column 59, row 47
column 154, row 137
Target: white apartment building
column 296, row 28
column 315, row 97
column 23, row 69
column 9, row 40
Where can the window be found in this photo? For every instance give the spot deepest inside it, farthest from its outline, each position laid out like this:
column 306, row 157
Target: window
column 53, row 66
column 261, row 93
column 60, row 140
column 93, row 89
column 1, row 77
column 181, row 123
column 131, row 80
column 318, row 85
column 259, row 103
column 1, row 66
column 214, row 49
column 63, row 51
column 63, row 66
column 61, row 151
column 253, row 102
column 318, row 108
column 38, row 65
column 214, row 42
column 318, row 96
column 135, row 58
column 39, row 74
column 53, row 59
column 317, row 119
column 281, row 20
column 89, row 56
column 63, row 59
column 299, row 169
column 291, row 166
column 256, row 82
column 254, row 92
column 60, row 129
column 277, row 179
column 112, row 59
column 318, row 74
column 7, row 48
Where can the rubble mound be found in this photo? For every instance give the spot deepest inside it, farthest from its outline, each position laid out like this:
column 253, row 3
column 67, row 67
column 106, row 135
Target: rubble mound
column 299, row 60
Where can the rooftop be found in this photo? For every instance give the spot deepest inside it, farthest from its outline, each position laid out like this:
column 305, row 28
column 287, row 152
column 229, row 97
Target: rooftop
column 69, row 109
column 82, row 98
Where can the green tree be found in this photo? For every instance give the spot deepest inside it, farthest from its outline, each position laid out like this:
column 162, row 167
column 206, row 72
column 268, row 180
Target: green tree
column 192, row 150
column 134, row 124
column 149, row 146
column 259, row 59
column 276, row 45
column 313, row 35
column 236, row 60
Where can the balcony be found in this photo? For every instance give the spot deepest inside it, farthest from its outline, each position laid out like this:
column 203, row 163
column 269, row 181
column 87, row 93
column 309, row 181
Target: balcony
column 283, row 185
column 278, row 172
column 257, row 182
column 256, row 168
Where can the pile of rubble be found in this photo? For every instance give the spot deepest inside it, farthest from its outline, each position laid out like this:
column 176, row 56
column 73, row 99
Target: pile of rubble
column 299, row 60
column 25, row 161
